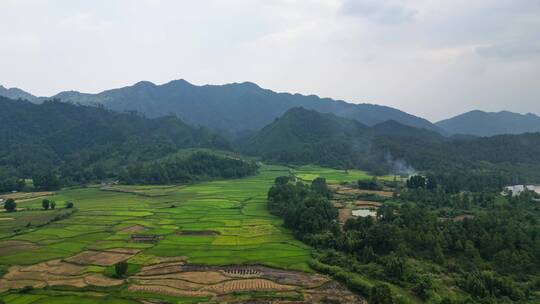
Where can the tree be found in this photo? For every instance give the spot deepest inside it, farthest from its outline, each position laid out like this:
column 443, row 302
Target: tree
column 371, row 184
column 431, row 183
column 319, row 186
column 416, row 181
column 422, row 287
column 46, row 181
column 121, row 268
column 69, row 205
column 45, row 204
column 10, row 205
column 381, row 294
column 281, row 180
column 53, row 205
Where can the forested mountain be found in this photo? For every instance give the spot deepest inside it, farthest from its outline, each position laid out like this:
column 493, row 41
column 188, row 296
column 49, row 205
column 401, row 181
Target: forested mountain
column 303, row 136
column 83, row 143
column 232, row 107
column 481, row 123
column 306, row 136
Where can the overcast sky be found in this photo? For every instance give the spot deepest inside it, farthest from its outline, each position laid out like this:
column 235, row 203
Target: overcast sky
column 430, row 58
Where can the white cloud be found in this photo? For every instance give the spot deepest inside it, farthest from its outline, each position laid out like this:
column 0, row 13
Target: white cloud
column 430, row 58
column 380, row 11
column 84, row 22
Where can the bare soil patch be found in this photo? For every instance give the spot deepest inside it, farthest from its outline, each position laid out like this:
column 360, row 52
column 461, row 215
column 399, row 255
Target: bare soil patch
column 198, row 277
column 178, row 284
column 198, row 232
column 168, row 291
column 248, row 285
column 13, row 247
column 177, row 279
column 100, row 280
column 367, row 204
column 100, row 258
column 385, row 194
column 53, row 273
column 133, row 229
column 344, row 215
column 332, row 292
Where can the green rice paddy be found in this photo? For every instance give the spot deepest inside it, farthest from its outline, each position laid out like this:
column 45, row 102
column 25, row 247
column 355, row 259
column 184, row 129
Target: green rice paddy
column 243, row 232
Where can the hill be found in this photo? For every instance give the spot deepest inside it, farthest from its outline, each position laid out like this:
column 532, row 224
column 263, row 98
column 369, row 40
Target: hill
column 481, row 123
column 231, row 108
column 306, row 136
column 83, row 143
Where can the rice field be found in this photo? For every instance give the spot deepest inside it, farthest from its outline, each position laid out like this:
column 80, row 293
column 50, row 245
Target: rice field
column 230, row 215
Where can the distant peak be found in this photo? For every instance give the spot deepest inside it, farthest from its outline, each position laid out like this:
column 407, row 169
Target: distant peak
column 245, row 84
column 144, row 83
column 250, row 84
column 178, row 82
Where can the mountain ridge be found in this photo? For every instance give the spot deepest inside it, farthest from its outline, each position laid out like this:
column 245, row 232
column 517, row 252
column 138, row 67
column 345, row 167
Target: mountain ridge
column 233, row 107
column 482, row 123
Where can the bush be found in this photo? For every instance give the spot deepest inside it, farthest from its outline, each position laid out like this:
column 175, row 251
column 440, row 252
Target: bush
column 10, row 205
column 381, row 294
column 69, row 205
column 45, row 204
column 351, row 280
column 121, row 269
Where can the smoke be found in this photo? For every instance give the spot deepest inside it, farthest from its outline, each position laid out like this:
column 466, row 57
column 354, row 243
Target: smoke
column 399, row 166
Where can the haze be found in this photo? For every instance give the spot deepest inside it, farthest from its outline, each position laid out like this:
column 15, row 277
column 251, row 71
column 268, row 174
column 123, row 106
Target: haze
column 430, row 58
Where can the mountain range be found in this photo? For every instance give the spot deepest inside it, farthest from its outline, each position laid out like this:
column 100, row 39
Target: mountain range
column 243, row 108
column 232, row 108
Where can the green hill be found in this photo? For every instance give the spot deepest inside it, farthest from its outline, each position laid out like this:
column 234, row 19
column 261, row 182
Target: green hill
column 83, row 143
column 306, row 136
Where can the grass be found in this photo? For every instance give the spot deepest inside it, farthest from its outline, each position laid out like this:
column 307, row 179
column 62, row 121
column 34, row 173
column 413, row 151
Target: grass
column 235, row 209
column 310, row 172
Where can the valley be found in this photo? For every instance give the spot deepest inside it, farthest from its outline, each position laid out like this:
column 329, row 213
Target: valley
column 207, row 236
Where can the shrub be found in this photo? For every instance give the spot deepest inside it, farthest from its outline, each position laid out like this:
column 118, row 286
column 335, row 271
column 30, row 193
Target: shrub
column 121, row 268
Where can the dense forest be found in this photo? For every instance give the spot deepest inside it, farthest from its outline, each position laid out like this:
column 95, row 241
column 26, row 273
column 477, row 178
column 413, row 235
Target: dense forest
column 58, row 143
column 182, row 168
column 419, row 244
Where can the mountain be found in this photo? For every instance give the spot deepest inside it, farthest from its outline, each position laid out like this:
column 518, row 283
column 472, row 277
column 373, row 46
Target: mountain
column 481, row 123
column 78, row 140
column 15, row 93
column 232, row 107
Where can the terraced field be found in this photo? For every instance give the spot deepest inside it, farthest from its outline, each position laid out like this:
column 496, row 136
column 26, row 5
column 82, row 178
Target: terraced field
column 158, row 230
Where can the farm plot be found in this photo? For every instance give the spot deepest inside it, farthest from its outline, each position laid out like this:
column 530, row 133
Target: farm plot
column 211, row 224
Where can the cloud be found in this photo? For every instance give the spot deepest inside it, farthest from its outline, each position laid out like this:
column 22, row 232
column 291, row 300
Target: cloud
column 430, row 58
column 84, row 22
column 517, row 51
column 379, row 11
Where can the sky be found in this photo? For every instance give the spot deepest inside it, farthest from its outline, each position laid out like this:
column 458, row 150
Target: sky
column 434, row 59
